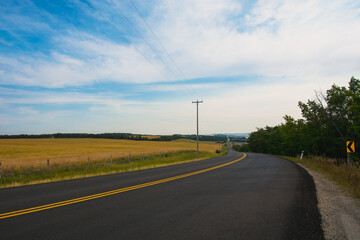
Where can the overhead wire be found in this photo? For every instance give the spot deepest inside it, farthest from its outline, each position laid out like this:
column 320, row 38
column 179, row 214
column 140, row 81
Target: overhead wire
column 143, row 38
column 155, row 36
column 116, row 29
column 151, row 47
column 147, row 43
column 139, row 51
column 160, row 43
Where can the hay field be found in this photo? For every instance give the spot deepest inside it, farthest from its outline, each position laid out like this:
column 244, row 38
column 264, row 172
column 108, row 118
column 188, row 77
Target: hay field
column 33, row 153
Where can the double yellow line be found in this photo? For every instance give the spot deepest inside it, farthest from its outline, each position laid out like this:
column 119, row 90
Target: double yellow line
column 108, row 193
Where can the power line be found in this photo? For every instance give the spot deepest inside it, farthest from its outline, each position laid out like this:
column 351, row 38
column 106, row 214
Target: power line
column 137, row 49
column 152, row 48
column 167, row 53
column 143, row 38
column 162, row 45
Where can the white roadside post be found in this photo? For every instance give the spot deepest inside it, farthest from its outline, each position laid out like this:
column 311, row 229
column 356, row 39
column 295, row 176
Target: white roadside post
column 302, row 154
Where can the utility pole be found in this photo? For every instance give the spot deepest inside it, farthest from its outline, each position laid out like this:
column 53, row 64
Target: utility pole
column 197, row 125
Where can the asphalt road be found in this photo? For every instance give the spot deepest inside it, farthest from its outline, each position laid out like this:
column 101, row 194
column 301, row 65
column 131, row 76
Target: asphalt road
column 259, row 197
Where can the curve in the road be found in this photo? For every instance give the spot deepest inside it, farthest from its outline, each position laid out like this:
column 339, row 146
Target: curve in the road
column 109, row 193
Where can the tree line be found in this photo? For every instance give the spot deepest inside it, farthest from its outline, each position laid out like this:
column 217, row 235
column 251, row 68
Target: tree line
column 329, row 120
column 129, row 136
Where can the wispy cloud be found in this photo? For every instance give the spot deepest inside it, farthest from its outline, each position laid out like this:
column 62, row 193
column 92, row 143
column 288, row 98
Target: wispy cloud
column 95, row 60
column 183, row 87
column 244, row 55
column 26, row 110
column 293, row 37
column 26, row 98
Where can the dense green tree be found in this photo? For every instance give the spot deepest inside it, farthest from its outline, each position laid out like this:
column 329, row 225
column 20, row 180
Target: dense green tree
column 329, row 121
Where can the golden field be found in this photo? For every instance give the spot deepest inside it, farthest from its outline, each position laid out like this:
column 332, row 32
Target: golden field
column 24, row 153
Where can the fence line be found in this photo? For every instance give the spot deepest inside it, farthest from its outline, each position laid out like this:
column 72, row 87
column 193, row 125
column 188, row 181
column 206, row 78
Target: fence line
column 76, row 166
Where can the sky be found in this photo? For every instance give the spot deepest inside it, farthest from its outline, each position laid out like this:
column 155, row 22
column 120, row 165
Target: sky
column 136, row 66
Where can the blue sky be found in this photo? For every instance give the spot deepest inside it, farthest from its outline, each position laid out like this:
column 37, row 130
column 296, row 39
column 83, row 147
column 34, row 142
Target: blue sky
column 136, row 66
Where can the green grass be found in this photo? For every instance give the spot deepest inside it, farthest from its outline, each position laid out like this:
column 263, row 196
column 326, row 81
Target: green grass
column 60, row 172
column 347, row 178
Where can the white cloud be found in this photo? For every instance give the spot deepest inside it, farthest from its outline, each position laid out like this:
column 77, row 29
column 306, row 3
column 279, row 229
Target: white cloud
column 87, row 61
column 296, row 38
column 2, row 41
column 293, row 47
column 26, row 110
column 65, row 59
column 239, row 108
column 183, row 87
column 292, row 37
column 112, row 101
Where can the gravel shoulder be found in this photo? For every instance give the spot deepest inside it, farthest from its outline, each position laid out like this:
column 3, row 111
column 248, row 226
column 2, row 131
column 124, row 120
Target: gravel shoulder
column 340, row 212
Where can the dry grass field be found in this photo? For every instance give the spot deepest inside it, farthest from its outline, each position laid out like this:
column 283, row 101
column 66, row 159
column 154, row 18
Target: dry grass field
column 33, row 153
column 150, row 136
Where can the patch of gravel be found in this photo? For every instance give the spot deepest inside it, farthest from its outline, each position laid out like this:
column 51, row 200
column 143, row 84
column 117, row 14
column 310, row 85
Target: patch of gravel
column 340, row 212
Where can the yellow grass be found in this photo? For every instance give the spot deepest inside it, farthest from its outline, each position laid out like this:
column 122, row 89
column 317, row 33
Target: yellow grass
column 24, row 153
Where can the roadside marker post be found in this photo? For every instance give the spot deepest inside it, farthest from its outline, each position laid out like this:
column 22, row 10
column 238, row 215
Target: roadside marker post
column 302, row 154
column 88, row 161
column 111, row 159
column 48, row 165
column 0, row 170
column 350, row 148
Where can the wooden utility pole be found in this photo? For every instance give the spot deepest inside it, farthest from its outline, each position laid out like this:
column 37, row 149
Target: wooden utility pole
column 197, row 125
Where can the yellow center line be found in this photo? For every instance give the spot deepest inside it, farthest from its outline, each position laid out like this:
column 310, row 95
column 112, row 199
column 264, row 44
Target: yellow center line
column 112, row 192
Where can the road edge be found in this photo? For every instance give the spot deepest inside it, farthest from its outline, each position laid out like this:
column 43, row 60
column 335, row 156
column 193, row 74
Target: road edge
column 306, row 223
column 339, row 210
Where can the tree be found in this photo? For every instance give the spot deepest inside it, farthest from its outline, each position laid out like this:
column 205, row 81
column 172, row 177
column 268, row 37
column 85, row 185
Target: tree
column 329, row 121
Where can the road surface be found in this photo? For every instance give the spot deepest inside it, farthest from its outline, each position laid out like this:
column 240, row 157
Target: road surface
column 258, row 197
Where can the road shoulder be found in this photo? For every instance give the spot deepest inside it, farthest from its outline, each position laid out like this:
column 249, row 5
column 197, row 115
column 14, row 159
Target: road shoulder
column 340, row 212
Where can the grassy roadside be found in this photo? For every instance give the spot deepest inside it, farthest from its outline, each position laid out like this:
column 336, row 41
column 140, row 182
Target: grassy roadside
column 60, row 172
column 347, row 178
